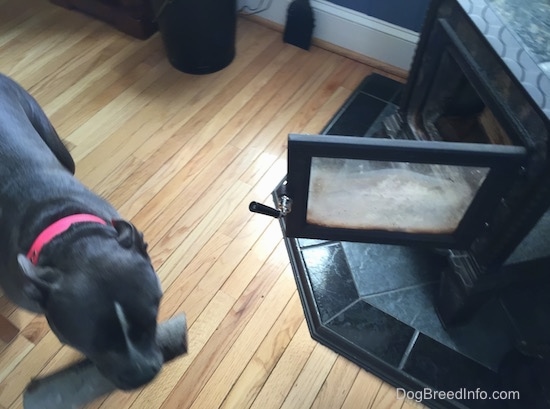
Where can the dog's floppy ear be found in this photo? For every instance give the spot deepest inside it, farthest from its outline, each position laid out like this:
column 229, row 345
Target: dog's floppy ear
column 39, row 281
column 129, row 236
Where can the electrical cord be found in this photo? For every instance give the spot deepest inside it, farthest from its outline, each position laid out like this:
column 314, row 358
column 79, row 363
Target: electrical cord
column 263, row 5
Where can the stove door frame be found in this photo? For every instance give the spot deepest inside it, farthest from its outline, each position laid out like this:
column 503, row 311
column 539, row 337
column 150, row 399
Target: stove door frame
column 504, row 164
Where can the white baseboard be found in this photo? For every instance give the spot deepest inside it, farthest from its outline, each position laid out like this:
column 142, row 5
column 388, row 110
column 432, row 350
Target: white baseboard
column 352, row 30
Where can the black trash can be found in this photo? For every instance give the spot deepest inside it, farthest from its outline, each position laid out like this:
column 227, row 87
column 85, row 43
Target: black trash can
column 198, row 35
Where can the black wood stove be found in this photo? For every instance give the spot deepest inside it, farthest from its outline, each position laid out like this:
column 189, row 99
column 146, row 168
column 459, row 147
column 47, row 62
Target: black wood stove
column 417, row 223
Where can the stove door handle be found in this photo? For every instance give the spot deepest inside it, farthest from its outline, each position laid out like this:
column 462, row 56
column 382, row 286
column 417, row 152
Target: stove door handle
column 284, row 207
column 263, row 209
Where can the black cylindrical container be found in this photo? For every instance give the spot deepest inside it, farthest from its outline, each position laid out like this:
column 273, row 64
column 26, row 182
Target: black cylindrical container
column 198, row 35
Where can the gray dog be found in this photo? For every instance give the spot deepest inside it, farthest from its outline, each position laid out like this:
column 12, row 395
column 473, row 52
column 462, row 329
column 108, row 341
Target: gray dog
column 66, row 253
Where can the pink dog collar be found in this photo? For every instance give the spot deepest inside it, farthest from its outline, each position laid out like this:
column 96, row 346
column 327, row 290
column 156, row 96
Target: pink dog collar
column 57, row 228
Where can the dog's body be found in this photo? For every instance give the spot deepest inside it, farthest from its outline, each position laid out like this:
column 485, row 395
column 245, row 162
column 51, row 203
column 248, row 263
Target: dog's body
column 94, row 282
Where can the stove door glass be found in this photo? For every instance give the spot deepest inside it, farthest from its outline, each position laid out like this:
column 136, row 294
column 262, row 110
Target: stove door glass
column 391, row 196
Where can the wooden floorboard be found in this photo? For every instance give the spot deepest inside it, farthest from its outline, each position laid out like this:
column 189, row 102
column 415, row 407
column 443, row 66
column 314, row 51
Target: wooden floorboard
column 181, row 156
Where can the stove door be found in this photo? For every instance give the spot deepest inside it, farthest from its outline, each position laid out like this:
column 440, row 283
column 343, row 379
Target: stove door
column 395, row 191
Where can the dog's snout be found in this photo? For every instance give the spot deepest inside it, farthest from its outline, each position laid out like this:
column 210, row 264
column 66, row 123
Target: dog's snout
column 155, row 368
column 138, row 376
column 135, row 375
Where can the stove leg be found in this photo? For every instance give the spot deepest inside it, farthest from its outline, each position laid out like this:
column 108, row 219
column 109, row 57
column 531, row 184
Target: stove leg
column 460, row 295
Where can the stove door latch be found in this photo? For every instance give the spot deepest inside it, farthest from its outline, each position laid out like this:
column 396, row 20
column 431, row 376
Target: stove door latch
column 284, row 207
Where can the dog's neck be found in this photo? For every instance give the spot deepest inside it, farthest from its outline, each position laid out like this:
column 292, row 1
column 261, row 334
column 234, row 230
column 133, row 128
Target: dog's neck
column 57, row 228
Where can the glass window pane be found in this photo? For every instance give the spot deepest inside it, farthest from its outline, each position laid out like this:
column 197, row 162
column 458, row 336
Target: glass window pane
column 392, row 196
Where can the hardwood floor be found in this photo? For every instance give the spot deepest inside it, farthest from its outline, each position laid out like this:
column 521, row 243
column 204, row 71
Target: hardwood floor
column 182, row 156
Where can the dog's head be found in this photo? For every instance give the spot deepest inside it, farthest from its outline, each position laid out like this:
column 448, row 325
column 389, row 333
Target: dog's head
column 102, row 298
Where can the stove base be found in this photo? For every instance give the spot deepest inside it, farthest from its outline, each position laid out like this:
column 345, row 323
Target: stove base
column 375, row 304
